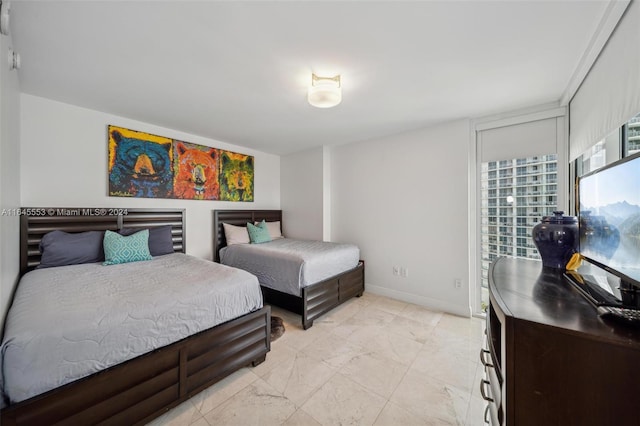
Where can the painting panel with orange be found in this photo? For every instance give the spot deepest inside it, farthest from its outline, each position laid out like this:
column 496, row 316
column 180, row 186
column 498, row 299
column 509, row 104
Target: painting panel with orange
column 196, row 171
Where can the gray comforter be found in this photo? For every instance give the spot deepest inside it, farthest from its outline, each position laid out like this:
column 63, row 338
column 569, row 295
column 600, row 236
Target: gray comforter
column 69, row 322
column 288, row 265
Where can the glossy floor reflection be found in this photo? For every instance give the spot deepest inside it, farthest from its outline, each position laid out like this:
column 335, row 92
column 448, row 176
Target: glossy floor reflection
column 371, row 361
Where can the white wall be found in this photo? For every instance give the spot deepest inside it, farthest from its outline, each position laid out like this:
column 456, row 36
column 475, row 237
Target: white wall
column 63, row 163
column 326, row 193
column 404, row 200
column 302, row 194
column 9, row 177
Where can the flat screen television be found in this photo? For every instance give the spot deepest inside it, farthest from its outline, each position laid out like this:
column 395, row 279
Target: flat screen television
column 609, row 222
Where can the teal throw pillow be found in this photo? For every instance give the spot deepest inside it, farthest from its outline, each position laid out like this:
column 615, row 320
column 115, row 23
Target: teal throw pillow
column 124, row 249
column 258, row 234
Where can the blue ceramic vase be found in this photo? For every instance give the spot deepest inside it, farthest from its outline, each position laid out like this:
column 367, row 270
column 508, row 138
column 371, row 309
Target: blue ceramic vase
column 556, row 238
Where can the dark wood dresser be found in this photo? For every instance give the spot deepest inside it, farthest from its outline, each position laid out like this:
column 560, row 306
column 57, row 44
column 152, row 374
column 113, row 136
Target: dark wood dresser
column 549, row 359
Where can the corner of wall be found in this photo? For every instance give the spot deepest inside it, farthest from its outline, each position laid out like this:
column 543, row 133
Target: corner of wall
column 326, row 193
column 302, row 194
column 9, row 177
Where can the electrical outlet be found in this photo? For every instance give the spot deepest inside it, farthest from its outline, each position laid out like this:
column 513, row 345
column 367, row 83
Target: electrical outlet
column 458, row 283
column 404, row 272
column 396, row 270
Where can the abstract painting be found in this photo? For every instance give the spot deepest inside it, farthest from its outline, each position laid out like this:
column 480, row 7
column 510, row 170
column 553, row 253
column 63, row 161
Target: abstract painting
column 140, row 164
column 151, row 166
column 236, row 177
column 195, row 171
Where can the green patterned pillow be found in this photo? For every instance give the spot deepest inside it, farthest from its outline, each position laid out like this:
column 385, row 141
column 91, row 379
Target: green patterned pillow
column 258, row 234
column 121, row 249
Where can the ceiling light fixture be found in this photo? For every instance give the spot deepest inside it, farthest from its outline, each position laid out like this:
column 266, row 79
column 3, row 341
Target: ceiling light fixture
column 324, row 92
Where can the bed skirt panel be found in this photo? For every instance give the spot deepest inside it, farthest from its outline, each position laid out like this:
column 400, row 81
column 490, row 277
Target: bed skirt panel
column 145, row 387
column 319, row 298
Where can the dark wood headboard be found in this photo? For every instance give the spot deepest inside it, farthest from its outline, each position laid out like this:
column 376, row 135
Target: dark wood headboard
column 238, row 218
column 39, row 220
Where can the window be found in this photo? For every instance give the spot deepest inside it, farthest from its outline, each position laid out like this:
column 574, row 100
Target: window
column 516, row 161
column 631, row 139
column 622, row 142
column 593, row 159
column 517, row 215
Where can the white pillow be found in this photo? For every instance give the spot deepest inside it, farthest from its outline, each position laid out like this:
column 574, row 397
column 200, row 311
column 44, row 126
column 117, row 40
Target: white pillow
column 274, row 229
column 235, row 234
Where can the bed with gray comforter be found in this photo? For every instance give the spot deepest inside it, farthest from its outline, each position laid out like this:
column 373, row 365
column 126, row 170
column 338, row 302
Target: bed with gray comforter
column 288, row 265
column 71, row 321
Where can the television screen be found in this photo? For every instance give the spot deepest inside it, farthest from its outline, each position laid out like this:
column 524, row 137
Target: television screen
column 609, row 208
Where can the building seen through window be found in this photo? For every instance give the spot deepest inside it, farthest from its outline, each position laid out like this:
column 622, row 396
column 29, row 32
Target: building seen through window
column 632, row 144
column 515, row 195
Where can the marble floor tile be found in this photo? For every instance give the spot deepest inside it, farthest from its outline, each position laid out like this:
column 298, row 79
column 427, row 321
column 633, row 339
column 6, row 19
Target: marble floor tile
column 200, row 422
column 369, row 317
column 394, row 415
column 299, row 379
column 258, row 404
column 375, row 372
column 447, row 367
column 183, row 415
column 373, row 360
column 477, row 405
column 426, row 398
column 215, row 395
column 366, row 299
column 339, row 314
column 472, row 328
column 453, row 343
column 297, row 338
column 333, row 350
column 389, row 305
column 409, row 328
column 340, row 401
column 373, row 316
column 421, row 314
column 390, row 345
column 476, row 412
column 460, row 399
column 301, row 418
column 280, row 353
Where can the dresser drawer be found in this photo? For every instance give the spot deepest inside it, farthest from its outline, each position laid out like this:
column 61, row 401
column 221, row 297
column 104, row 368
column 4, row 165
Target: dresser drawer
column 490, row 387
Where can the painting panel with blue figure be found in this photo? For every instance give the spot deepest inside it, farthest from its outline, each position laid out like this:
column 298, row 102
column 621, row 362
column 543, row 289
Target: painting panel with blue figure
column 140, row 164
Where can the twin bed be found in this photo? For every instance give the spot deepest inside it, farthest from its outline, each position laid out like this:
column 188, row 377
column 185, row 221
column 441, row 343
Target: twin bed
column 306, row 277
column 122, row 344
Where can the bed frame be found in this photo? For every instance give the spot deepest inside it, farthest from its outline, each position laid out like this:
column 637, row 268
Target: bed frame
column 145, row 387
column 315, row 299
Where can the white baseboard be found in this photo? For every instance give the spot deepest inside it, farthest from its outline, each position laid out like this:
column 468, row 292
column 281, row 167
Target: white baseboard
column 433, row 304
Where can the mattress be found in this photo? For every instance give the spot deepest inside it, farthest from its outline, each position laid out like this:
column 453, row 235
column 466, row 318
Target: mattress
column 288, row 264
column 71, row 321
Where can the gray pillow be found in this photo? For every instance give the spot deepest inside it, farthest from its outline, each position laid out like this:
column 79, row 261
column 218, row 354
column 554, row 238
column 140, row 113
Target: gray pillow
column 160, row 239
column 60, row 248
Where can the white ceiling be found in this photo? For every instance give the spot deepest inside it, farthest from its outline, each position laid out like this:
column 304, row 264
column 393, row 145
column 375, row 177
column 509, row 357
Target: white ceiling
column 238, row 71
